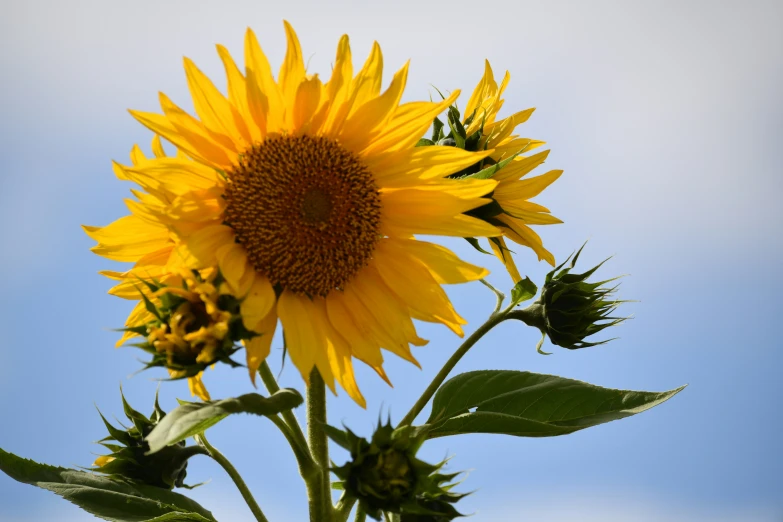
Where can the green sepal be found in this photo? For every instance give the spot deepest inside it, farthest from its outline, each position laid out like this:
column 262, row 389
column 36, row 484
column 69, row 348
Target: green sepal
column 457, row 130
column 488, row 172
column 475, row 244
column 437, row 130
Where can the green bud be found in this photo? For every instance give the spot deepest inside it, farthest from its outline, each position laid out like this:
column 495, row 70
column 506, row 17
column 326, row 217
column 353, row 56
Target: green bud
column 385, row 476
column 128, row 459
column 570, row 309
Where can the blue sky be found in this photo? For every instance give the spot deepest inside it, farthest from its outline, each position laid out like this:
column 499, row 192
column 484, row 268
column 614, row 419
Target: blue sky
column 666, row 118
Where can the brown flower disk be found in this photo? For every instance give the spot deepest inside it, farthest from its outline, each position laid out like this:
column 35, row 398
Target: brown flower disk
column 306, row 210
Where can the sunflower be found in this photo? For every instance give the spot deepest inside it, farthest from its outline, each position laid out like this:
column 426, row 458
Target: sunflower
column 512, row 193
column 307, row 196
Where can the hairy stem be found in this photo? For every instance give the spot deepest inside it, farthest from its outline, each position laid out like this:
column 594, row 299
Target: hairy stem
column 302, row 454
column 288, row 416
column 319, row 447
column 235, row 476
column 343, row 508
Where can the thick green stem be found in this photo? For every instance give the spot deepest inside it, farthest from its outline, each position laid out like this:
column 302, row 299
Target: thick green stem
column 235, row 476
column 343, row 508
column 319, row 448
column 361, row 516
column 494, row 320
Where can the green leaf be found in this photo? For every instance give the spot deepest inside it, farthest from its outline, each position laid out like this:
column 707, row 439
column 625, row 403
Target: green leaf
column 527, row 404
column 524, row 290
column 424, row 142
column 106, row 498
column 192, row 418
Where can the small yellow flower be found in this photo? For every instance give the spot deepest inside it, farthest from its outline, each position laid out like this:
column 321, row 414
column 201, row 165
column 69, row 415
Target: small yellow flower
column 513, row 191
column 307, row 196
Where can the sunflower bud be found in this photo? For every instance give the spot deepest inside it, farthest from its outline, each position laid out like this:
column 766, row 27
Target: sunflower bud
column 192, row 327
column 570, row 309
column 385, row 476
column 128, row 459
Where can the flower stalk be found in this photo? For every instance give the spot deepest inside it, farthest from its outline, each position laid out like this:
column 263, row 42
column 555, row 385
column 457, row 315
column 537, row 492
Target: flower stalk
column 235, row 476
column 495, row 319
column 319, row 486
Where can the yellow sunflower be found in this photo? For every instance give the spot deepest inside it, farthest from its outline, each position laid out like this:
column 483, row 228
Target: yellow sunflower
column 307, row 196
column 512, row 193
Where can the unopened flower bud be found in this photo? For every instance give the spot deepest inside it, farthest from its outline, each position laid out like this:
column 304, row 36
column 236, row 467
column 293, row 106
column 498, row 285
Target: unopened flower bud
column 129, row 459
column 570, row 309
column 386, row 477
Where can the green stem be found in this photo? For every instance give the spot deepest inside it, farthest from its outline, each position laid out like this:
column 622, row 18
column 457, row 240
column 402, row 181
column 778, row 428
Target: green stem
column 303, row 457
column 343, row 508
column 321, row 495
column 361, row 516
column 494, row 320
column 290, row 419
column 235, row 476
column 498, row 294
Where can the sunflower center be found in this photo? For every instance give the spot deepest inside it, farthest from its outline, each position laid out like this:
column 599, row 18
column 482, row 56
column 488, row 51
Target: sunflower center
column 306, row 210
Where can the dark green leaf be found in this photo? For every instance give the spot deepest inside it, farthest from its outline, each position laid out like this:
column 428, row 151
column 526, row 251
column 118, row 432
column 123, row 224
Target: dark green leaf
column 106, row 498
column 191, row 418
column 424, row 142
column 524, row 290
column 527, row 404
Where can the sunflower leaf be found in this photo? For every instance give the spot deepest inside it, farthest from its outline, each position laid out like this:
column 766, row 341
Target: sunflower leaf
column 106, row 498
column 525, row 404
column 524, row 290
column 192, row 418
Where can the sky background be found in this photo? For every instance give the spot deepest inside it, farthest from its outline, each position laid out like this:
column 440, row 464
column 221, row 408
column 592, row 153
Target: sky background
column 667, row 118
